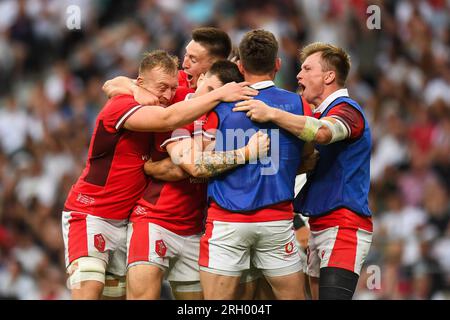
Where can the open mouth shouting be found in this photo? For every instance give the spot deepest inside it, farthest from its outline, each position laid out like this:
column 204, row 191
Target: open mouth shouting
column 301, row 87
column 189, row 78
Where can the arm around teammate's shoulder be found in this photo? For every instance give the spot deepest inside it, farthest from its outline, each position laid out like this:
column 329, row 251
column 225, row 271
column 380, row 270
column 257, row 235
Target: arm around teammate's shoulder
column 159, row 119
column 306, row 128
column 309, row 129
column 259, row 111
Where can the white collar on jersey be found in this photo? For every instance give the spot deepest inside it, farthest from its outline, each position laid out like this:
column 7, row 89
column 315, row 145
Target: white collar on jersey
column 330, row 99
column 262, row 85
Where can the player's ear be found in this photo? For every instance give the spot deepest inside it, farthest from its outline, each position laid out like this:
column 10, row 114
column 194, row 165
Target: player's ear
column 330, row 76
column 140, row 81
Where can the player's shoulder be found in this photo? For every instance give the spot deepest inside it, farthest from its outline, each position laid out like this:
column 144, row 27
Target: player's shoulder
column 224, row 105
column 286, row 93
column 118, row 107
column 119, row 102
column 345, row 106
column 278, row 94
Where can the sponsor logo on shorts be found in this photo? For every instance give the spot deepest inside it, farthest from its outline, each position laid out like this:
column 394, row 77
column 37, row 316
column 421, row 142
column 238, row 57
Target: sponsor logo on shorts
column 160, row 248
column 289, row 247
column 99, row 242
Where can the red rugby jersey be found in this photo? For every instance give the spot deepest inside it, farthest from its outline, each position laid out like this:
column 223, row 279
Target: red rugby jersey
column 177, row 206
column 113, row 179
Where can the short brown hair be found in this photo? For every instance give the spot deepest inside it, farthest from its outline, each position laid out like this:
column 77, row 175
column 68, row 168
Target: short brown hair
column 216, row 41
column 226, row 71
column 258, row 52
column 333, row 58
column 161, row 59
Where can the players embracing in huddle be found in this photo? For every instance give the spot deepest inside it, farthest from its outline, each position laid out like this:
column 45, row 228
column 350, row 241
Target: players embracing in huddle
column 156, row 202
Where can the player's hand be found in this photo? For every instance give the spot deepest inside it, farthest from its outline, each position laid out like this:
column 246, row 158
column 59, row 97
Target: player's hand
column 256, row 110
column 233, row 91
column 309, row 162
column 118, row 85
column 257, row 147
column 144, row 97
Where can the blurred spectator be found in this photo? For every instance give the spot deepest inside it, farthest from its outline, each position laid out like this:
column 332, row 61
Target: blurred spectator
column 401, row 222
column 414, row 181
column 26, row 252
column 15, row 127
column 390, row 149
column 15, row 283
column 52, row 285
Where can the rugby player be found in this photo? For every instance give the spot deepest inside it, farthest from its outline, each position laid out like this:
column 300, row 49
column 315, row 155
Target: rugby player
column 335, row 196
column 250, row 213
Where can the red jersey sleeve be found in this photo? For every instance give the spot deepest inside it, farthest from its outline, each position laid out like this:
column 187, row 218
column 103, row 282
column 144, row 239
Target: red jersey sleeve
column 160, row 138
column 210, row 123
column 205, row 125
column 176, row 135
column 350, row 117
column 117, row 110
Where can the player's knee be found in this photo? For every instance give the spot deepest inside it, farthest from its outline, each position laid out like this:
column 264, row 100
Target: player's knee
column 337, row 284
column 115, row 287
column 86, row 269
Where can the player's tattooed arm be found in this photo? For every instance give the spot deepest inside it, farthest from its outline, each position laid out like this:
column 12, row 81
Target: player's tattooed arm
column 213, row 163
column 203, row 164
column 164, row 170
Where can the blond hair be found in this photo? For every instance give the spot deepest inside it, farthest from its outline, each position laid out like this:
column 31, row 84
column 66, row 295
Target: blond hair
column 332, row 58
column 159, row 58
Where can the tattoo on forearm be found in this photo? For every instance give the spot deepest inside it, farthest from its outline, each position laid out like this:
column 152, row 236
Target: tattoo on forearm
column 214, row 163
column 209, row 163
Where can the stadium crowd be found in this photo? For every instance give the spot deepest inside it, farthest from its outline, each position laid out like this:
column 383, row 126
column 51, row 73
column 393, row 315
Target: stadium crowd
column 50, row 94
